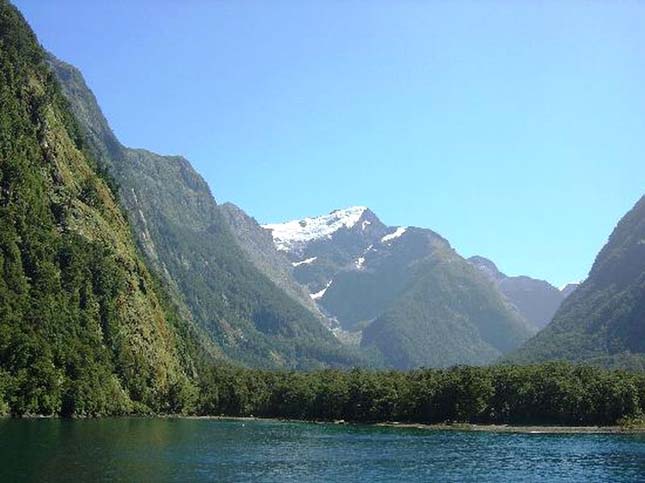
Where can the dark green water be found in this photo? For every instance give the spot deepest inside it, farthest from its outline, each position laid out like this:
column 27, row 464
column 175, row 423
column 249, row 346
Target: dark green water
column 211, row 450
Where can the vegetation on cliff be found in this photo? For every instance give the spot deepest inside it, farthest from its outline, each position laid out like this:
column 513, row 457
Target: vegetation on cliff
column 82, row 326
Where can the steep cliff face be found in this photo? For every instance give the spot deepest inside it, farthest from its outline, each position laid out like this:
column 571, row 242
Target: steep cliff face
column 83, row 326
column 184, row 235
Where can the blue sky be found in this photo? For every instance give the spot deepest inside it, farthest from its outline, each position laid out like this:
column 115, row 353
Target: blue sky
column 514, row 129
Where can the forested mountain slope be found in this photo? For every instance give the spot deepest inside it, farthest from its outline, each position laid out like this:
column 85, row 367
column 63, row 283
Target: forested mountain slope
column 443, row 311
column 603, row 320
column 84, row 327
column 185, row 237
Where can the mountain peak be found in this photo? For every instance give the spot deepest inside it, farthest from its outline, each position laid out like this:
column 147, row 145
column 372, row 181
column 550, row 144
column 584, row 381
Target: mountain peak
column 487, row 266
column 351, row 210
column 297, row 233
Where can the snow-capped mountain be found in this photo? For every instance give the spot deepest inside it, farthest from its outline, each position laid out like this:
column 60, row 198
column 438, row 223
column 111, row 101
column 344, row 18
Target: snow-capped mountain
column 403, row 288
column 294, row 235
column 319, row 247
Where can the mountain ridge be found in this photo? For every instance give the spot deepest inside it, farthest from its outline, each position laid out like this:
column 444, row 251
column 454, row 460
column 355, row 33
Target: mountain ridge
column 537, row 300
column 184, row 235
column 258, row 244
column 603, row 320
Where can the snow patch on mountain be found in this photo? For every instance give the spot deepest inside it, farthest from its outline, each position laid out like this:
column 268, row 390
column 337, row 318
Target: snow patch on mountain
column 304, row 262
column 394, row 235
column 359, row 263
column 296, row 233
column 320, row 294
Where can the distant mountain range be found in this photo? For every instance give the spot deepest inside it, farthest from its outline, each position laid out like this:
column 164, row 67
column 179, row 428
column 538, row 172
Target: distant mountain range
column 537, row 300
column 403, row 290
column 126, row 289
column 258, row 245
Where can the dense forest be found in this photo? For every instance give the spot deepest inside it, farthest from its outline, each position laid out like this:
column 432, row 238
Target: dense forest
column 551, row 393
column 555, row 393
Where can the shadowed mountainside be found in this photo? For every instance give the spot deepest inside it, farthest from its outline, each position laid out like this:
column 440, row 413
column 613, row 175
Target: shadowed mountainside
column 603, row 320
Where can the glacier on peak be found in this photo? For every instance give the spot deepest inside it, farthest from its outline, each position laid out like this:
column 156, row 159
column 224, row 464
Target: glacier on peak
column 295, row 233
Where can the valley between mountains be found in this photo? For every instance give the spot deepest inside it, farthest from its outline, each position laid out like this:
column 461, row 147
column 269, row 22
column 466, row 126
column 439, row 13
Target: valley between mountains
column 127, row 289
column 334, row 290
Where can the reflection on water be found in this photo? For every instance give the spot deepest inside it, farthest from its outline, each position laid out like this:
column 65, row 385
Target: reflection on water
column 130, row 449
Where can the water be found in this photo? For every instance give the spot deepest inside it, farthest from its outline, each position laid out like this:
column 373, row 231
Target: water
column 212, row 450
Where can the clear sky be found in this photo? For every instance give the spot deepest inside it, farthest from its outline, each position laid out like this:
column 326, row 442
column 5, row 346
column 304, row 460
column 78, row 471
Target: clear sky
column 516, row 129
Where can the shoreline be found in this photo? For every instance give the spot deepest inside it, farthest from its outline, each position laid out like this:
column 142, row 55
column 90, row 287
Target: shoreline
column 505, row 428
column 455, row 427
column 464, row 427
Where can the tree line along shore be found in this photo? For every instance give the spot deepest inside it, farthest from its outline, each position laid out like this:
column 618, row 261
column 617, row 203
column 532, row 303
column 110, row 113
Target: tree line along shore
column 549, row 394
